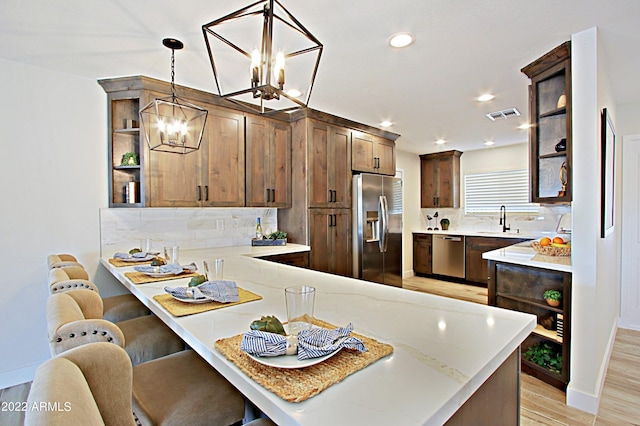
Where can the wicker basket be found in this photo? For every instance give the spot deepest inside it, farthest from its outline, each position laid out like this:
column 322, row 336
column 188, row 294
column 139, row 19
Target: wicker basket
column 550, row 250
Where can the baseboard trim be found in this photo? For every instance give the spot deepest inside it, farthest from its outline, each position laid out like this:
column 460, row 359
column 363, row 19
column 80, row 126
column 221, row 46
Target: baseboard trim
column 587, row 401
column 408, row 274
column 18, row 376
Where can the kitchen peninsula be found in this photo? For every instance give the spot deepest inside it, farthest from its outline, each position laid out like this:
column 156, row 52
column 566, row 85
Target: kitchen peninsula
column 449, row 357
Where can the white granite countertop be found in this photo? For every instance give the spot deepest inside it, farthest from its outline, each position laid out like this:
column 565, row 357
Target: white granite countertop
column 444, row 349
column 524, row 254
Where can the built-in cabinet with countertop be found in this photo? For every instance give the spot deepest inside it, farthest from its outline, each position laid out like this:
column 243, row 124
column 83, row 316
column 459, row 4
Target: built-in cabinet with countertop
column 301, row 163
column 440, row 179
column 520, row 285
column 475, row 267
column 550, row 135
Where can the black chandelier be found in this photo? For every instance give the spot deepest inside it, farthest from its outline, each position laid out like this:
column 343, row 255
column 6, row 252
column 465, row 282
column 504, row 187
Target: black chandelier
column 251, row 70
column 172, row 124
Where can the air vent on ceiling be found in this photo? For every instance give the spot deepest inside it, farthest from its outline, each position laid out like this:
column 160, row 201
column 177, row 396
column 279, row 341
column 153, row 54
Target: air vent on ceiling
column 504, row 114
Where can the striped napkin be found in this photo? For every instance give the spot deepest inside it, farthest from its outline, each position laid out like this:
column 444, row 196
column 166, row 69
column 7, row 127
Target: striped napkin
column 219, row 291
column 312, row 343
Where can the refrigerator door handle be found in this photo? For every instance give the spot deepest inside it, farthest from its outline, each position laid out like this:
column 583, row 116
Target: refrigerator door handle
column 384, row 220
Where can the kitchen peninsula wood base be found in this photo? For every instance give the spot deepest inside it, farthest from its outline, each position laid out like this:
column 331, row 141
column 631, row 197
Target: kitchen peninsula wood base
column 497, row 401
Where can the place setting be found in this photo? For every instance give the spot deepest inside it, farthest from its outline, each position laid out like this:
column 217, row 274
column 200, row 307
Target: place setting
column 204, row 292
column 162, row 268
column 140, row 255
column 300, row 358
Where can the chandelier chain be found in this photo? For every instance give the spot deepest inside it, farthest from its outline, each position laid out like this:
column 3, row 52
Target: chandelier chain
column 173, row 73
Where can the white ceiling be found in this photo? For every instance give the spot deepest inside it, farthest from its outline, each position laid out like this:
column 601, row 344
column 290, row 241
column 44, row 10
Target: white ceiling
column 463, row 48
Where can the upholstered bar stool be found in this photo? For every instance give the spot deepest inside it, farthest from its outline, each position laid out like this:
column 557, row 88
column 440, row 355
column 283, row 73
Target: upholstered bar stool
column 99, row 385
column 115, row 308
column 74, row 318
column 60, row 260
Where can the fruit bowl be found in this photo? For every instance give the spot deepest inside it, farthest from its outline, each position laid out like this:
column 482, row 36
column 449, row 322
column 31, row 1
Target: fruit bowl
column 552, row 250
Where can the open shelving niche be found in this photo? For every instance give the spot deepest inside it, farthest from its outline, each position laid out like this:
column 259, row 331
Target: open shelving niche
column 125, row 136
column 521, row 288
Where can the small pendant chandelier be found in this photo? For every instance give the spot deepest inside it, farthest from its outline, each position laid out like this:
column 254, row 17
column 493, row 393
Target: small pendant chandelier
column 251, row 71
column 172, row 124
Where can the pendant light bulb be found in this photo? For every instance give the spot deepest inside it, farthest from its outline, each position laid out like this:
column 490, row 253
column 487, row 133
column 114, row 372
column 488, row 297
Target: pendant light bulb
column 255, row 66
column 278, row 71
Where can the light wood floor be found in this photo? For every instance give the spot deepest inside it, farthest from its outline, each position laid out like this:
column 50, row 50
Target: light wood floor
column 543, row 404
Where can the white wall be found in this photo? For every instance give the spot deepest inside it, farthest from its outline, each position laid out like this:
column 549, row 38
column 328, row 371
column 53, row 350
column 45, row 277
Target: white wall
column 596, row 264
column 409, row 163
column 52, row 182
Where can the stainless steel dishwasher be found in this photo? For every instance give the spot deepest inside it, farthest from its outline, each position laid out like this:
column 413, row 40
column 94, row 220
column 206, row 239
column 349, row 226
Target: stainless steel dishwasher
column 448, row 255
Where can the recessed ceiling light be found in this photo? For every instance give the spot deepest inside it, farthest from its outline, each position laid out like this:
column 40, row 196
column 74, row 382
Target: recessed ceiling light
column 489, row 143
column 485, row 97
column 386, row 124
column 401, row 40
column 440, row 142
column 294, row 93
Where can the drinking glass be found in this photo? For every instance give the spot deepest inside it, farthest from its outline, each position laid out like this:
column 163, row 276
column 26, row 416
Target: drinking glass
column 171, row 253
column 300, row 302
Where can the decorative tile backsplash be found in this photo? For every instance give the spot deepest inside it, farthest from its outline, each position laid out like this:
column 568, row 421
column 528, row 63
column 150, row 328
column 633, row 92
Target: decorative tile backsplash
column 190, row 228
column 545, row 221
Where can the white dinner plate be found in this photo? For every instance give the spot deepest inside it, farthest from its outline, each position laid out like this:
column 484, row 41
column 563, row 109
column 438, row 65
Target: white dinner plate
column 139, row 259
column 291, row 361
column 186, row 300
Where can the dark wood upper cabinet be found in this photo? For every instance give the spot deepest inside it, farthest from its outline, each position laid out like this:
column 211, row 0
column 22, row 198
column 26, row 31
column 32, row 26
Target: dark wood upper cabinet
column 372, row 154
column 212, row 176
column 550, row 138
column 440, row 179
column 329, row 169
column 268, row 163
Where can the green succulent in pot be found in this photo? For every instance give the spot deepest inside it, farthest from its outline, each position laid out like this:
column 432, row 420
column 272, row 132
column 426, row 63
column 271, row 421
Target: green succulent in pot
column 444, row 223
column 552, row 297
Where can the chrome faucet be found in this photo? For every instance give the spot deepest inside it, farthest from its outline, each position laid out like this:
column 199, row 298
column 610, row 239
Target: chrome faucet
column 503, row 219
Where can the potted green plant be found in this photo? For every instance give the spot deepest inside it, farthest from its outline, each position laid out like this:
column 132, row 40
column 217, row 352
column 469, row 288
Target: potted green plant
column 130, row 159
column 552, row 297
column 545, row 356
column 445, row 224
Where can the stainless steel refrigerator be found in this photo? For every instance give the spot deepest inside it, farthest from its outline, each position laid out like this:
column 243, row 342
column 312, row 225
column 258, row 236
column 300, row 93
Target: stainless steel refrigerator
column 377, row 229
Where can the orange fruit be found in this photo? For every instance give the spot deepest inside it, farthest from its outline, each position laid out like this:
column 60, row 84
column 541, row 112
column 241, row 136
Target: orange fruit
column 558, row 240
column 546, row 241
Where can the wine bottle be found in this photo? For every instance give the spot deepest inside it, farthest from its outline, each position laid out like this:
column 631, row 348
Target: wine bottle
column 258, row 230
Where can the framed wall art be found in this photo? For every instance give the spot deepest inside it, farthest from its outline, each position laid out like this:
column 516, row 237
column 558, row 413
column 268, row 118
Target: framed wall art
column 608, row 174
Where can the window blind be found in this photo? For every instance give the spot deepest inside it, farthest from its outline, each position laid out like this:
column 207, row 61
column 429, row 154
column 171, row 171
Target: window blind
column 486, row 192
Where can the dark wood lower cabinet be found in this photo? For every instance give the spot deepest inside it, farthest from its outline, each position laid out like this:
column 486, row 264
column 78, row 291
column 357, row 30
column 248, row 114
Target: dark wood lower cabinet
column 422, row 254
column 521, row 288
column 300, row 259
column 476, row 270
column 330, row 241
